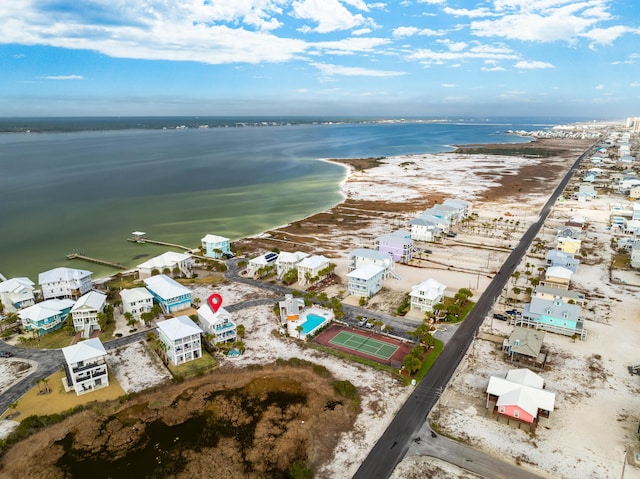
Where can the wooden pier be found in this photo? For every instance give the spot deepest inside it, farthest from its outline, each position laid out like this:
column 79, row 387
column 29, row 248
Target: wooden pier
column 96, row 260
column 162, row 243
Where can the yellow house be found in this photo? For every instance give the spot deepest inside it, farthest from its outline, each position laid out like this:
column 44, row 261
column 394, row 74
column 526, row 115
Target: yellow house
column 569, row 245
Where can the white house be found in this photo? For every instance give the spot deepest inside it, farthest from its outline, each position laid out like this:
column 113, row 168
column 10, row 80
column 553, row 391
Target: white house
column 215, row 246
column 46, row 316
column 423, row 229
column 85, row 367
column 217, row 323
column 136, row 301
column 261, row 262
column 558, row 277
column 85, row 312
column 170, row 295
column 310, row 267
column 288, row 261
column 362, row 256
column 169, row 263
column 181, row 338
column 64, row 283
column 365, row 281
column 290, row 308
column 464, row 207
column 426, row 295
column 16, row 293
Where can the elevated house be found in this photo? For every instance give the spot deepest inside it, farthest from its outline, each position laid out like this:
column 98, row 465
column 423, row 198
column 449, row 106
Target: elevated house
column 463, row 207
column 560, row 258
column 47, row 316
column 569, row 232
column 217, row 323
column 399, row 247
column 169, row 263
column 181, row 339
column 67, row 283
column 426, row 295
column 310, row 267
column 365, row 281
column 16, row 294
column 423, row 229
column 520, row 396
column 362, row 256
column 168, row 293
column 568, row 245
column 288, row 261
column 525, row 345
column 85, row 312
column 442, row 224
column 551, row 293
column 136, row 301
column 558, row 277
column 259, row 263
column 554, row 316
column 85, row 367
column 214, row 246
column 444, row 212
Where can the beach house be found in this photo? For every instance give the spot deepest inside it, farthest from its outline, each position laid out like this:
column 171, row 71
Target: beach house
column 558, row 277
column 291, row 308
column 85, row 367
column 363, row 256
column 560, row 258
column 566, row 295
column 263, row 264
column 85, row 312
column 65, row 283
column 568, row 245
column 288, row 261
column 170, row 263
column 463, row 207
column 47, row 316
column 214, row 246
column 310, row 268
column 168, row 293
column 426, row 295
column 399, row 247
column 554, row 315
column 16, row 294
column 365, row 281
column 217, row 323
column 520, row 396
column 524, row 344
column 423, row 229
column 136, row 301
column 181, row 339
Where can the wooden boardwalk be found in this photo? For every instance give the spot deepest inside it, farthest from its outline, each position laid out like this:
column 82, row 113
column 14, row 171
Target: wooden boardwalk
column 163, row 243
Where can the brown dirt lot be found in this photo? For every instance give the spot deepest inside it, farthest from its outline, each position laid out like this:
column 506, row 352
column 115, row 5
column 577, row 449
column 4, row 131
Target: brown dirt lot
column 251, row 423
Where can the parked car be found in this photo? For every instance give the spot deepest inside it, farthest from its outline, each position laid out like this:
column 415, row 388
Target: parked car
column 513, row 312
column 428, row 251
column 228, row 255
column 451, row 234
column 499, row 316
column 363, row 321
column 5, row 354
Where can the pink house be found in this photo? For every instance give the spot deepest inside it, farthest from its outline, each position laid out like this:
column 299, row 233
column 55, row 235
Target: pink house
column 520, row 396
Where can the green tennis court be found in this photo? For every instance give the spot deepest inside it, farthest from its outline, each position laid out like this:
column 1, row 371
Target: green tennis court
column 364, row 344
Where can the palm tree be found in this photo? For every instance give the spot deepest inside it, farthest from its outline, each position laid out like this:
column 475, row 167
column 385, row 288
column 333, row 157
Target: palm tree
column 299, row 328
column 240, row 330
column 45, row 381
column 378, row 324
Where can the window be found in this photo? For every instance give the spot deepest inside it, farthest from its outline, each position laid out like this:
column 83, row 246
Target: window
column 516, row 413
column 501, row 409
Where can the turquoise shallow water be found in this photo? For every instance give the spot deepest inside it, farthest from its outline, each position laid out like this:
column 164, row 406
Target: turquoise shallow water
column 86, row 191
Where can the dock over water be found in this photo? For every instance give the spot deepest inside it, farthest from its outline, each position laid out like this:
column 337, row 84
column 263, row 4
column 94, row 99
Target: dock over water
column 141, row 237
column 96, row 260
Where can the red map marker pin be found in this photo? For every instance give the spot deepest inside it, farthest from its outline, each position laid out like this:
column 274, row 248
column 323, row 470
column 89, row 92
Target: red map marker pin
column 215, row 301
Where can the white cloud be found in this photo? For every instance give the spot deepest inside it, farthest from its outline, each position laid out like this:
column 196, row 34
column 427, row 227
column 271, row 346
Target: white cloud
column 301, row 90
column 634, row 84
column 330, row 15
column 359, row 4
column 448, row 85
column 492, row 69
column 433, row 2
column 63, row 77
column 465, row 12
column 256, row 13
column 411, row 31
column 350, row 46
column 361, row 31
column 605, row 36
column 333, row 70
column 478, row 52
column 529, row 65
column 453, row 46
column 599, row 87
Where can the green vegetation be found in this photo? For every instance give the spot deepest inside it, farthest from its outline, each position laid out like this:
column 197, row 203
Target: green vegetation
column 193, row 368
column 300, row 470
column 509, row 150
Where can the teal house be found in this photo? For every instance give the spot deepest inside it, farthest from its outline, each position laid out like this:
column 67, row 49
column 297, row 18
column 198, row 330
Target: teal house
column 214, row 246
column 553, row 315
column 46, row 316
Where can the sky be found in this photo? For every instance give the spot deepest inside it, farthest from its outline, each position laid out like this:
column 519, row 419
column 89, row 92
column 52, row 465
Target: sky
column 425, row 58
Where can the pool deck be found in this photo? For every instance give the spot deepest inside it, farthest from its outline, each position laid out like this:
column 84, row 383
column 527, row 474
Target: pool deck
column 315, row 310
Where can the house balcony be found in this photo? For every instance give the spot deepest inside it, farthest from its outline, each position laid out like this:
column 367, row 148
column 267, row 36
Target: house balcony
column 225, row 326
column 85, row 367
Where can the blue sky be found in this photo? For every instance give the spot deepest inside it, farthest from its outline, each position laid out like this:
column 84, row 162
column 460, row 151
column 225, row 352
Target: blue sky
column 320, row 57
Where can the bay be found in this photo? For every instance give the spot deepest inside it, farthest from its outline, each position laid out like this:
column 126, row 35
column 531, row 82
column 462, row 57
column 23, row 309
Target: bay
column 86, row 191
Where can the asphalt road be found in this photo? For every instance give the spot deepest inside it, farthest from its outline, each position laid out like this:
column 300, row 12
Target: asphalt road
column 395, row 441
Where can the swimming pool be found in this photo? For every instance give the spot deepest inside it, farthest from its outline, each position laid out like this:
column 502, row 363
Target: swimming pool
column 313, row 321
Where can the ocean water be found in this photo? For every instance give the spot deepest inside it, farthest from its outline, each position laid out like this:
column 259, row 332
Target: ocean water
column 83, row 185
